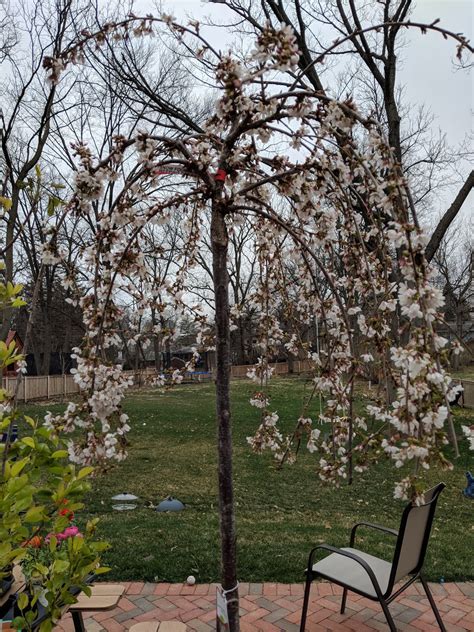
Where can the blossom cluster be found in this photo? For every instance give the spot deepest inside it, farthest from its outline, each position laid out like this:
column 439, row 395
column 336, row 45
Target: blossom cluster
column 338, row 249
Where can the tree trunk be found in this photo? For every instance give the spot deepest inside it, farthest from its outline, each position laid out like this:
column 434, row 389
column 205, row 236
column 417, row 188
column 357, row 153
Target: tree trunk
column 237, row 343
column 242, row 352
column 38, row 361
column 157, row 353
column 47, row 344
column 12, row 215
column 219, row 239
column 156, row 343
column 456, row 357
column 66, row 349
column 167, row 347
column 448, row 217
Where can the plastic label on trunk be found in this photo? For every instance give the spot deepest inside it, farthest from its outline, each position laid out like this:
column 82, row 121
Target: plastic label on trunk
column 222, row 614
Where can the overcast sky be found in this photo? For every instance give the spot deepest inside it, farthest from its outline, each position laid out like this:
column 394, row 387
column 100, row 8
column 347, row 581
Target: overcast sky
column 431, row 78
column 429, row 72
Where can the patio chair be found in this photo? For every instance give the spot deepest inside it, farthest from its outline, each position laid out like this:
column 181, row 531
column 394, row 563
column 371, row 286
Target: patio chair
column 373, row 577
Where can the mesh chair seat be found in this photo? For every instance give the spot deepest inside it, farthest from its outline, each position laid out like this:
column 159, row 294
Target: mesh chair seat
column 350, row 573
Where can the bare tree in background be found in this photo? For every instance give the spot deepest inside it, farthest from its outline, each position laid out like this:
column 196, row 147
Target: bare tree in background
column 56, row 326
column 374, row 58
column 454, row 262
column 43, row 28
column 243, row 274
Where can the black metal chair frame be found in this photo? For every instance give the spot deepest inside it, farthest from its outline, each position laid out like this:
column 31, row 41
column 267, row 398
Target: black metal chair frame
column 387, row 597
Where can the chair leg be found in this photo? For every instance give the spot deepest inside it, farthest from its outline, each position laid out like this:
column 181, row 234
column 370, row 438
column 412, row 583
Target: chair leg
column 388, row 616
column 307, row 590
column 343, row 602
column 78, row 621
column 432, row 604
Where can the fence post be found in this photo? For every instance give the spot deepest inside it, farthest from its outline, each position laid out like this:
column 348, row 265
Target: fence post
column 25, row 382
column 64, row 385
column 48, row 389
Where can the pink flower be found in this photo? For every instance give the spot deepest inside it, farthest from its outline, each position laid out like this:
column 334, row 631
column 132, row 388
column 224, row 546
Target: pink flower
column 70, row 532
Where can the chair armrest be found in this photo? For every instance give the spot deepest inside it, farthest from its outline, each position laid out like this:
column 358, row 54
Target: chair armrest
column 369, row 525
column 350, row 555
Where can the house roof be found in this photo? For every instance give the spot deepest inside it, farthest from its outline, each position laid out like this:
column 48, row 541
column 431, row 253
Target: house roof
column 13, row 336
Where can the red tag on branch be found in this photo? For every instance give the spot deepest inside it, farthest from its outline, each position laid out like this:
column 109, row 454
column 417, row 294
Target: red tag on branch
column 220, row 175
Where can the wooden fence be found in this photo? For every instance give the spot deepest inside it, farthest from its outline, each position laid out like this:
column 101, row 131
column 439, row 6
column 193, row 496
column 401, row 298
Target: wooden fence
column 34, row 387
column 279, row 368
column 41, row 386
column 467, row 398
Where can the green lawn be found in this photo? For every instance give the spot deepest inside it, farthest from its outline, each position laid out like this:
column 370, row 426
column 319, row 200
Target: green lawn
column 280, row 514
column 466, row 373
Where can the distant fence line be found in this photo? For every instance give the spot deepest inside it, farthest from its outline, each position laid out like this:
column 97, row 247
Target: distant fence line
column 34, row 387
column 56, row 386
column 41, row 386
column 279, row 368
column 467, row 397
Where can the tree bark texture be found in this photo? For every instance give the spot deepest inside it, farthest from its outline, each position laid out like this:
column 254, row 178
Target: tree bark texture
column 219, row 239
column 449, row 216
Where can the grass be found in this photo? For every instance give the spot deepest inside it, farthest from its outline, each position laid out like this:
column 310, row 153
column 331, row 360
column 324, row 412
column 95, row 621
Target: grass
column 281, row 514
column 466, row 373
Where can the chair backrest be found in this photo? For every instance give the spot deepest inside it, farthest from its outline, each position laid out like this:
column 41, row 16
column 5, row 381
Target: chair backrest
column 413, row 535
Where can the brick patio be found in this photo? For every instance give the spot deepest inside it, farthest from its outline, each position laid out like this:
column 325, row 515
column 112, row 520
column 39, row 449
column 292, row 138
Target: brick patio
column 273, row 607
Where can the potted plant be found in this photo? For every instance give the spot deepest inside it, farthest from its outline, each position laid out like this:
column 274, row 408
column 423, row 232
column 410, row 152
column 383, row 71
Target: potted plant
column 40, row 491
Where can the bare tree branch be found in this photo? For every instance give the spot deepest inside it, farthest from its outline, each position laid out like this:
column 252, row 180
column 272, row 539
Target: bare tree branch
column 448, row 217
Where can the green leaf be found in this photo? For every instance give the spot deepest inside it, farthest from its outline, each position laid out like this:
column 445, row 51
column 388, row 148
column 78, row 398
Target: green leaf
column 85, row 471
column 101, row 570
column 14, row 485
column 18, row 302
column 6, row 421
column 42, row 569
column 30, row 421
column 46, row 626
column 101, row 546
column 18, row 466
column 53, row 203
column 22, row 600
column 18, row 623
column 59, row 454
column 60, row 566
column 5, row 202
column 34, row 514
column 29, row 441
column 5, row 548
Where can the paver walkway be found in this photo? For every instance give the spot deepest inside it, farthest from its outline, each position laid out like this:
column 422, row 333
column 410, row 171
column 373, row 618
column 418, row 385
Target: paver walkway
column 277, row 607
